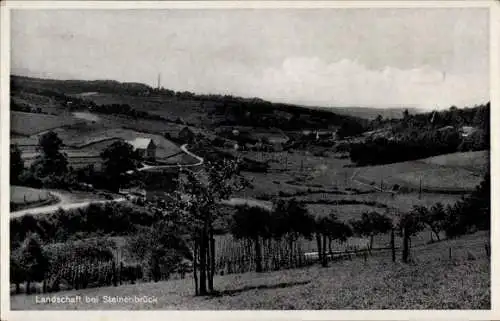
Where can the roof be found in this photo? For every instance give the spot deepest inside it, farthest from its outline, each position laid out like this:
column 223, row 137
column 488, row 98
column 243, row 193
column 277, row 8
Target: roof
column 140, row 143
column 467, row 130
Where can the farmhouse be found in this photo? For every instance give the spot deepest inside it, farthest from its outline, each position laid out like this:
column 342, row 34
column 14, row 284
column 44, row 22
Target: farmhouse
column 145, row 147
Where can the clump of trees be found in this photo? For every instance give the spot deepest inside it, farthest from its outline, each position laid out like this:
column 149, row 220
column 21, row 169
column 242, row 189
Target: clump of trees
column 194, row 206
column 16, row 164
column 94, row 220
column 425, row 135
column 119, row 158
column 371, row 224
column 328, row 229
column 417, row 145
column 160, row 249
column 253, row 223
column 28, row 263
column 50, row 168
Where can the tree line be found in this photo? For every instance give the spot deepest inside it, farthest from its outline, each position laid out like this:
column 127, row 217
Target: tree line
column 425, row 135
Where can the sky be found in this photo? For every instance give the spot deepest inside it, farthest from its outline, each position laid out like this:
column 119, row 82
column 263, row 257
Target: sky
column 425, row 58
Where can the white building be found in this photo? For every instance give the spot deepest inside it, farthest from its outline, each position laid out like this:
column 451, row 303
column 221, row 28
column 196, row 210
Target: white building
column 145, row 146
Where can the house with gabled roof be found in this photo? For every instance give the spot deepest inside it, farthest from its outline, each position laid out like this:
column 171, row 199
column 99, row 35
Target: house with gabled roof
column 146, row 147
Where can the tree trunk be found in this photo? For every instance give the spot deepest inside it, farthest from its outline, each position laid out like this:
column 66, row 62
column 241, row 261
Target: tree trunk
column 209, row 265
column 212, row 261
column 290, row 251
column 203, row 263
column 28, row 287
column 330, row 246
column 318, row 243
column 406, row 242
column 325, row 258
column 258, row 255
column 393, row 246
column 18, row 288
column 195, row 266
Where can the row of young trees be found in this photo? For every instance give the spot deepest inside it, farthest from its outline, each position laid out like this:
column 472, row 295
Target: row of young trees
column 291, row 219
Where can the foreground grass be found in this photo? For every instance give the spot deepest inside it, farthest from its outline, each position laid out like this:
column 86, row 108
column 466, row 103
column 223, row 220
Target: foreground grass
column 432, row 281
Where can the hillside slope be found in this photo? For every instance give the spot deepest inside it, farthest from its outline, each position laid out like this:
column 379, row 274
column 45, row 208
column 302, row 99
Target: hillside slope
column 434, row 282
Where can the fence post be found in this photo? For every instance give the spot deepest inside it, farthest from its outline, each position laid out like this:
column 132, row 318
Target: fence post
column 393, row 246
column 406, row 242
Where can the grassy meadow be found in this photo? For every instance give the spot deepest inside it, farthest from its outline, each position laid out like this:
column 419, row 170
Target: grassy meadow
column 28, row 124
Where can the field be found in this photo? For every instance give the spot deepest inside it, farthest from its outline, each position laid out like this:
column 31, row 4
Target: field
column 28, row 124
column 472, row 161
column 170, row 108
column 451, row 172
column 21, row 195
column 74, row 137
column 24, row 197
column 434, row 281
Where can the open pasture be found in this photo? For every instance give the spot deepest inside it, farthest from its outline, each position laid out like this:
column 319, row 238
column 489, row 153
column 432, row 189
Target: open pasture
column 473, row 161
column 344, row 212
column 30, row 123
column 450, row 172
column 401, row 202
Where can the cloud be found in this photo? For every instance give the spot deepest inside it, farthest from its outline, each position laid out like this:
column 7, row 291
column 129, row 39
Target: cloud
column 310, row 80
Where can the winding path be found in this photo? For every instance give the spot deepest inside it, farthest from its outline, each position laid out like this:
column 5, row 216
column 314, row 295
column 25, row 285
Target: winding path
column 199, row 162
column 65, row 204
column 53, row 208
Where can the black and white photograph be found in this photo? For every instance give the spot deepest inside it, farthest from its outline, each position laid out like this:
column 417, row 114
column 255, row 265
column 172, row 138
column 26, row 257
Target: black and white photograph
column 247, row 157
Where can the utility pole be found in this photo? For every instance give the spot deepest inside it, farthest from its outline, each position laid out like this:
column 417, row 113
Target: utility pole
column 159, row 81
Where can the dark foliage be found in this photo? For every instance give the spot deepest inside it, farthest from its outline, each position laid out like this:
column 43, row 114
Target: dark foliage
column 426, row 135
column 96, row 219
column 16, row 164
column 119, row 158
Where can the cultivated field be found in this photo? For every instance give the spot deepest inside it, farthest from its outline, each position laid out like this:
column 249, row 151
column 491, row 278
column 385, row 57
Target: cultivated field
column 434, row 281
column 73, row 137
column 30, row 123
